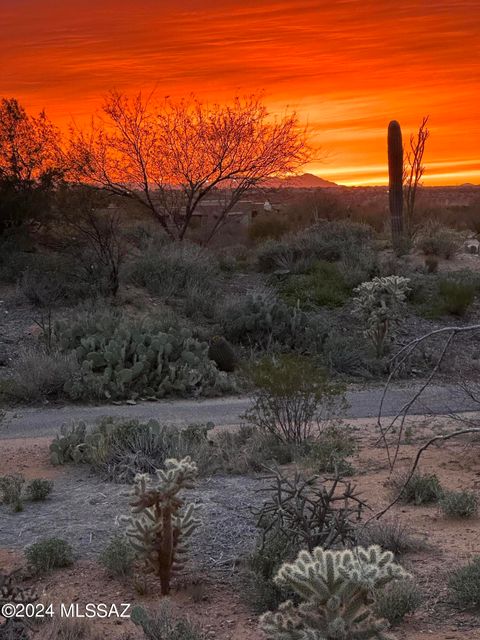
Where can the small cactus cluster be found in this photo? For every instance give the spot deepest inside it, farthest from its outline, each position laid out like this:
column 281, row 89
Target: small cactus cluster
column 69, row 445
column 158, row 526
column 139, row 361
column 337, row 589
column 379, row 304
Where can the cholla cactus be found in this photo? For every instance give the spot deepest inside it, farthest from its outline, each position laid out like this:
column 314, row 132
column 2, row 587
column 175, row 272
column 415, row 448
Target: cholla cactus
column 379, row 303
column 158, row 527
column 338, row 588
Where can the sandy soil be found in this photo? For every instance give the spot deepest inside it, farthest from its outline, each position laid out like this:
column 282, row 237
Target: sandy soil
column 213, row 598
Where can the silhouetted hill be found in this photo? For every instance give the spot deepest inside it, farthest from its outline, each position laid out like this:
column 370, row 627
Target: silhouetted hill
column 304, row 181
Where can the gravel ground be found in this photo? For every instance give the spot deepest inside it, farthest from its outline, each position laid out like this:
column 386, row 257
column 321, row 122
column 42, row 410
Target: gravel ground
column 83, row 510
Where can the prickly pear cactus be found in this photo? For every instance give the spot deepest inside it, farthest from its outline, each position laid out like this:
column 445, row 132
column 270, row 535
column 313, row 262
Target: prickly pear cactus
column 130, row 361
column 337, row 589
column 159, row 526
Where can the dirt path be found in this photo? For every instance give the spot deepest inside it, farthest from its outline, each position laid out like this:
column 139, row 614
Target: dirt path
column 364, row 403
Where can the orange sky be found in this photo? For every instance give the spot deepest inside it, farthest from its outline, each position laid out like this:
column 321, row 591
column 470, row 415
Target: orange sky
column 348, row 66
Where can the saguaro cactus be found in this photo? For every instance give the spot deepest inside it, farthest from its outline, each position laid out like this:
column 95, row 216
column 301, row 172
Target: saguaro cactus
column 337, row 588
column 395, row 182
column 158, row 527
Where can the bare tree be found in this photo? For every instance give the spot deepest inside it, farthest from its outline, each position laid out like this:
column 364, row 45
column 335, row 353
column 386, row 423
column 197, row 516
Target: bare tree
column 414, row 170
column 395, row 426
column 171, row 156
column 29, row 163
column 90, row 221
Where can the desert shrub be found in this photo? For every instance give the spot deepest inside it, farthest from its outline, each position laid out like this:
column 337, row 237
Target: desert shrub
column 264, row 322
column 267, row 227
column 176, row 270
column 421, row 488
column 259, row 590
column 291, row 393
column 68, row 629
column 247, row 450
column 118, row 556
column 379, row 305
column 52, row 279
column 459, row 504
column 322, row 285
column 431, row 264
column 391, row 535
column 327, row 240
column 464, row 585
column 38, row 374
column 455, row 297
column 127, row 359
column 336, row 597
column 329, row 452
column 11, row 487
column 49, row 554
column 358, row 267
column 438, row 240
column 119, row 450
column 452, row 294
column 349, row 354
column 397, row 600
column 39, row 489
column 162, row 626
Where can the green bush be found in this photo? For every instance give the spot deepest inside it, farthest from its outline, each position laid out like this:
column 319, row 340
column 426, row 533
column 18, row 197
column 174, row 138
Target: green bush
column 11, row 487
column 390, row 535
column 70, row 629
column 291, row 393
column 38, row 374
column 397, row 600
column 161, row 625
column 259, row 590
column 437, row 240
column 118, row 450
column 420, row 489
column 464, row 585
column 247, row 450
column 39, row 489
column 328, row 453
column 49, row 554
column 431, row 264
column 455, row 297
column 178, row 270
column 118, row 556
column 323, row 285
column 268, row 226
column 459, row 504
column 326, row 240
column 349, row 354
column 264, row 322
column 451, row 294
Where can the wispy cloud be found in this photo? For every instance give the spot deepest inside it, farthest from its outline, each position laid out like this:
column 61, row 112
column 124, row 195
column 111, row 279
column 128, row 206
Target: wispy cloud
column 348, row 66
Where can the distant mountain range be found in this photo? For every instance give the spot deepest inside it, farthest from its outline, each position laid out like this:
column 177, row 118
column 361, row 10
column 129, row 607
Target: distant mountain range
column 304, row 181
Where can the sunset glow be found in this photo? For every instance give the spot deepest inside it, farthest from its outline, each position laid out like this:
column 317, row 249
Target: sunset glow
column 347, row 67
